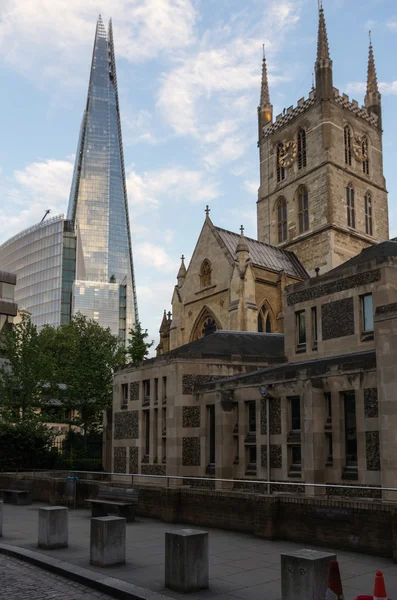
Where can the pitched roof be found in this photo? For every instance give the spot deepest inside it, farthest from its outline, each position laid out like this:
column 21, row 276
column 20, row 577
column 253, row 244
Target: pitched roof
column 264, row 255
column 241, row 343
column 376, row 252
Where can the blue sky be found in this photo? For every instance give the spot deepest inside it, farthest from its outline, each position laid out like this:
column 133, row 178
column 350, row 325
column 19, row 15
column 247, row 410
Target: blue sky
column 189, row 80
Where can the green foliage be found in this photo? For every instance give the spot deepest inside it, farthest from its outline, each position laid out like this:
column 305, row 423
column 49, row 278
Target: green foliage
column 112, row 279
column 24, row 378
column 25, row 444
column 138, row 349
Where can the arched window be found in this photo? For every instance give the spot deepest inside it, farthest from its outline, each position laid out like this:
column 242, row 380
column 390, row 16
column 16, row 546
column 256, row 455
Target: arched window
column 350, row 206
column 264, row 322
column 303, row 210
column 282, row 225
column 205, row 274
column 368, row 213
column 348, row 145
column 205, row 324
column 301, row 148
column 364, row 149
column 280, row 169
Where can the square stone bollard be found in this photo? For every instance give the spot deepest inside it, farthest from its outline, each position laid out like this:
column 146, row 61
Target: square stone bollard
column 107, row 541
column 53, row 527
column 1, row 517
column 304, row 574
column 186, row 560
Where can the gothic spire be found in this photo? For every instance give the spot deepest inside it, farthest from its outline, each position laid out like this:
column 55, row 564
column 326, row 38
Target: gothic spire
column 265, row 96
column 182, row 272
column 322, row 39
column 372, row 81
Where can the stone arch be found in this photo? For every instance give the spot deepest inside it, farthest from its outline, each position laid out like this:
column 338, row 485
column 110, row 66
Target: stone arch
column 266, row 318
column 205, row 323
column 205, row 273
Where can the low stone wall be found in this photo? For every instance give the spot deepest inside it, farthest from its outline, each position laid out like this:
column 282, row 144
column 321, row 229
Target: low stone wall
column 362, row 526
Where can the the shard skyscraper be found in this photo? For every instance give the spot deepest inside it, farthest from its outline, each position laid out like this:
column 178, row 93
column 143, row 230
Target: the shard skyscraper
column 98, row 204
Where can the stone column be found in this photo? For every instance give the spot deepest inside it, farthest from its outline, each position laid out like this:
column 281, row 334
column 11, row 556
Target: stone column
column 107, row 541
column 304, row 574
column 186, row 560
column 53, row 527
column 313, row 439
column 225, row 419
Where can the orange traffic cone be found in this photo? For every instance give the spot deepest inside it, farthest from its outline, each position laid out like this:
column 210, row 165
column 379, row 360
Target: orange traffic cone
column 379, row 589
column 334, row 589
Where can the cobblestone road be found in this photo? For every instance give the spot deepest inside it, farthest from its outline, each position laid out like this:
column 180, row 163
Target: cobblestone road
column 22, row 581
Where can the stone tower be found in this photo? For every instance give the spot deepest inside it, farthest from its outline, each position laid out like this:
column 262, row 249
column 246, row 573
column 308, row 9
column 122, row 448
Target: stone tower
column 322, row 191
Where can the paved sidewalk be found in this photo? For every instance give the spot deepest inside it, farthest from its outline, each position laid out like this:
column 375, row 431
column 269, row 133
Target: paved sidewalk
column 21, row 581
column 241, row 566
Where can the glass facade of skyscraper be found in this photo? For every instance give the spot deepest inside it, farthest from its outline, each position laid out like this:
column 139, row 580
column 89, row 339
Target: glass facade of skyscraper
column 98, row 199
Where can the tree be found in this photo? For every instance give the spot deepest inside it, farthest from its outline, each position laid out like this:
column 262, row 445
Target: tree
column 86, row 355
column 138, row 349
column 112, row 279
column 24, row 376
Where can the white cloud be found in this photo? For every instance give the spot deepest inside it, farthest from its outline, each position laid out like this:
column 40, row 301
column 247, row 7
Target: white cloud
column 156, row 257
column 251, row 187
column 359, row 87
column 142, row 29
column 392, row 25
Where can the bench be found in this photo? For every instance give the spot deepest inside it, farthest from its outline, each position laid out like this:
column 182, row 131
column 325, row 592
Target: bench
column 19, row 492
column 112, row 499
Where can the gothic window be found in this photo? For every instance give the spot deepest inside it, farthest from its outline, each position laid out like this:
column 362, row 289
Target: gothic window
column 206, row 323
column 282, row 229
column 301, row 149
column 348, row 145
column 280, row 169
column 303, row 210
column 350, row 206
column 368, row 213
column 205, row 274
column 364, row 149
column 264, row 322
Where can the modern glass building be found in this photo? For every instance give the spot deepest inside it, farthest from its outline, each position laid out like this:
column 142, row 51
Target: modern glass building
column 98, row 199
column 84, row 264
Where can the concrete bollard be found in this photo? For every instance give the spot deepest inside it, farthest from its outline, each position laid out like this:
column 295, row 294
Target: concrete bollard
column 1, row 517
column 53, row 527
column 304, row 574
column 107, row 541
column 186, row 560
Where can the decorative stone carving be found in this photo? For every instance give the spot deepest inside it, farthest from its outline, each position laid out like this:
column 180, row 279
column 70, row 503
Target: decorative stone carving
column 153, row 469
column 355, row 492
column 337, row 319
column 275, row 456
column 120, row 460
column 133, row 459
column 126, row 425
column 372, row 450
column 191, row 416
column 191, row 452
column 274, row 414
column 134, row 391
column 334, row 286
column 370, row 402
column 191, row 382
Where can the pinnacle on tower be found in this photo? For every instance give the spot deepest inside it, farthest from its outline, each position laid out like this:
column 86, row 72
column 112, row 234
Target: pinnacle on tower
column 373, row 97
column 265, row 109
column 265, row 96
column 182, row 272
column 323, row 67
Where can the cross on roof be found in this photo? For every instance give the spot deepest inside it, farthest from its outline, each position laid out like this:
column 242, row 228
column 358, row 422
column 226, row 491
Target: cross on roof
column 207, row 210
column 242, row 230
column 182, row 257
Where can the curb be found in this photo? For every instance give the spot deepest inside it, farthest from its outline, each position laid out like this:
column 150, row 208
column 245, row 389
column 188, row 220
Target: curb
column 97, row 581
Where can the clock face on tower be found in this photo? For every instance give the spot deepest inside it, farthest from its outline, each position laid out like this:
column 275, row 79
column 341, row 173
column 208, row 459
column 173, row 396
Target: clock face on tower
column 288, row 154
column 360, row 148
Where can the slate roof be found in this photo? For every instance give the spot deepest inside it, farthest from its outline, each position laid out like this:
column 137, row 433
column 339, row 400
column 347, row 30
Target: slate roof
column 375, row 252
column 265, row 255
column 226, row 343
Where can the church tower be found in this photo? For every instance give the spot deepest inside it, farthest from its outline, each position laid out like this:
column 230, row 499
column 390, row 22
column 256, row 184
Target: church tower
column 322, row 191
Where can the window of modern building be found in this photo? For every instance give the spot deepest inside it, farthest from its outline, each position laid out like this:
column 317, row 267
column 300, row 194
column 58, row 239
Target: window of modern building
column 303, row 210
column 301, row 149
column 264, row 322
column 367, row 311
column 205, row 274
column 251, row 408
column 350, row 429
column 146, row 414
column 124, row 395
column 146, row 390
column 368, row 213
column 164, row 390
column 211, row 434
column 280, row 169
column 156, row 390
column 314, row 328
column 348, row 145
column 295, row 413
column 364, row 150
column 282, row 225
column 350, row 207
column 7, row 291
column 300, row 324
